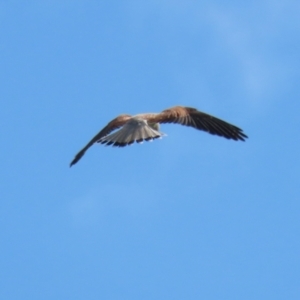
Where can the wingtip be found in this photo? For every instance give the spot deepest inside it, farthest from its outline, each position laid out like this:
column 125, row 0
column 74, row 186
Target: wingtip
column 77, row 157
column 73, row 162
column 243, row 136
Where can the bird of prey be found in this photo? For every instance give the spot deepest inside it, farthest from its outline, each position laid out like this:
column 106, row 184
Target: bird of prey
column 145, row 127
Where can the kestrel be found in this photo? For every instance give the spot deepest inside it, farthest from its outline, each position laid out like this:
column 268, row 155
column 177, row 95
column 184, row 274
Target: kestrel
column 145, row 127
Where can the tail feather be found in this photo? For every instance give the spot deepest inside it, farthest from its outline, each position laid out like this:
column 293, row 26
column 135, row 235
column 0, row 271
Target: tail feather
column 133, row 131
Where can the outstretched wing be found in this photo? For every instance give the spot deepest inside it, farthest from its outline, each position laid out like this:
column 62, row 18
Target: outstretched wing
column 112, row 125
column 192, row 117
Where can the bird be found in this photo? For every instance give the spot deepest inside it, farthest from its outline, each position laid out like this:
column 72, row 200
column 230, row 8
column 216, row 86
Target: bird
column 146, row 127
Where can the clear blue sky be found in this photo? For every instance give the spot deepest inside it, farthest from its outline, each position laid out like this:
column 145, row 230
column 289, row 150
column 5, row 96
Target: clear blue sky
column 191, row 216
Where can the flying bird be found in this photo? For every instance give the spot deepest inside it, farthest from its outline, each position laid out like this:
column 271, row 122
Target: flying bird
column 145, row 127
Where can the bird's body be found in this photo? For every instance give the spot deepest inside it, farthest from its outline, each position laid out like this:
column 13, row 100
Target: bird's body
column 145, row 127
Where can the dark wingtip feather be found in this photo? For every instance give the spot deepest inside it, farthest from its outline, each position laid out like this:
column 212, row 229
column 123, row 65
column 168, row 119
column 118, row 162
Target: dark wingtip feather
column 242, row 136
column 77, row 157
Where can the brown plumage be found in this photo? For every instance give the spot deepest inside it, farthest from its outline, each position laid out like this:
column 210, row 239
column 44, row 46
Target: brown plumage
column 145, row 127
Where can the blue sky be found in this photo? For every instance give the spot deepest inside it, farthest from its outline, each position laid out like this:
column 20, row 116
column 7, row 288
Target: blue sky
column 191, row 216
